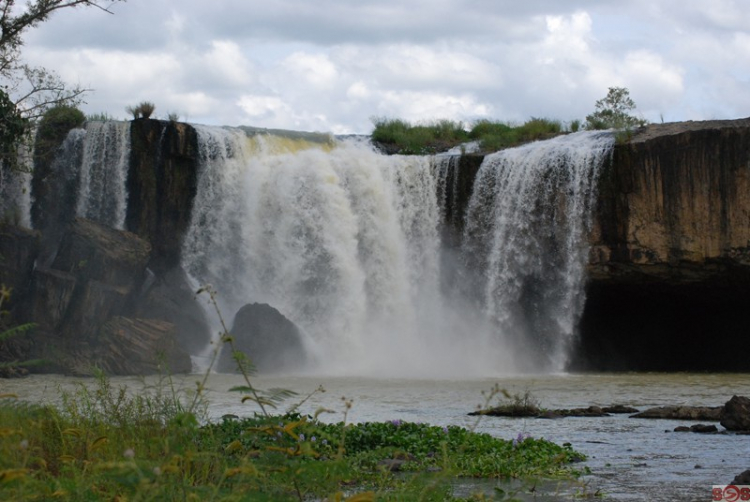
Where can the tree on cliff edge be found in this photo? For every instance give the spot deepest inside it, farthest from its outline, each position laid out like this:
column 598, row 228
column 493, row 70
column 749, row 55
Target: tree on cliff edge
column 27, row 92
column 613, row 112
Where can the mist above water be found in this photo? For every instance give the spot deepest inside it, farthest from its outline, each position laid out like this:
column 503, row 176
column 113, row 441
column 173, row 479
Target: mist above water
column 346, row 243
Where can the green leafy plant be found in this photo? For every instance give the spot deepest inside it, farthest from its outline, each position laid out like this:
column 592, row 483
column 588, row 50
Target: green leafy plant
column 614, row 112
column 399, row 136
column 54, row 127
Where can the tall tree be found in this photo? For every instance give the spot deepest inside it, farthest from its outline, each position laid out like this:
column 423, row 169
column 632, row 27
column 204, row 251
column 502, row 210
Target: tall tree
column 613, row 111
column 26, row 92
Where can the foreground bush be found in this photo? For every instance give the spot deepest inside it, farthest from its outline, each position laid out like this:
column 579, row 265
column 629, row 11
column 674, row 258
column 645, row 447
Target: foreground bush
column 105, row 444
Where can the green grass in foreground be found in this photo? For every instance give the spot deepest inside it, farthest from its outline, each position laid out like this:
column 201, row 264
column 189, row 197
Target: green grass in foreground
column 406, row 138
column 106, row 444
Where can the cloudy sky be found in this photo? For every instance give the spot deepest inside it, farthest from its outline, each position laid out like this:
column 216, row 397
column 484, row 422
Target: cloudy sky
column 332, row 65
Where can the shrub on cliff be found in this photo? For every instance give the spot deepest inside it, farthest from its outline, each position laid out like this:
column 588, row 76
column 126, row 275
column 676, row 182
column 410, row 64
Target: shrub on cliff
column 54, row 127
column 613, row 112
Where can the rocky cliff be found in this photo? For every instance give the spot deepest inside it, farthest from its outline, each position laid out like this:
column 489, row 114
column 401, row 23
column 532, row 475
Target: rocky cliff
column 102, row 297
column 669, row 270
column 670, row 260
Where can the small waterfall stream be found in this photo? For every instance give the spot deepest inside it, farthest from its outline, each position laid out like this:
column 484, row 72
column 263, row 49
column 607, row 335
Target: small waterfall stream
column 102, row 172
column 15, row 191
column 526, row 233
column 346, row 243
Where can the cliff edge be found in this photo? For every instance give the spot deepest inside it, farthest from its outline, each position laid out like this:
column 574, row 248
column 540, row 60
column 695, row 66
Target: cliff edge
column 669, row 271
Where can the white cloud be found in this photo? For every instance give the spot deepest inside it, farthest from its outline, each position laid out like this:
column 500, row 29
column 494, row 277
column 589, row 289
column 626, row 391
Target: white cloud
column 311, row 69
column 335, row 63
column 262, row 106
column 227, row 62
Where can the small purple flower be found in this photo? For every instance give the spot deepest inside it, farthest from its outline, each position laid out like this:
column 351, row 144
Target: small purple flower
column 445, row 430
column 301, row 437
column 396, row 423
column 313, row 439
column 520, row 438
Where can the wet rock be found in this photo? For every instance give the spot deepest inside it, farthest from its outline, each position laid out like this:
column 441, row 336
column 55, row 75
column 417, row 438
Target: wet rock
column 617, row 409
column 92, row 251
column 515, row 412
column 139, row 347
column 52, row 294
column 171, row 298
column 742, row 479
column 591, row 411
column 736, row 414
column 700, row 428
column 19, row 248
column 162, row 184
column 270, row 341
column 710, row 413
column 533, row 411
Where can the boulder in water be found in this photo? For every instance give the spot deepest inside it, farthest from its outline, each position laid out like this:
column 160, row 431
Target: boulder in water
column 271, row 342
column 742, row 478
column 710, row 413
column 736, row 414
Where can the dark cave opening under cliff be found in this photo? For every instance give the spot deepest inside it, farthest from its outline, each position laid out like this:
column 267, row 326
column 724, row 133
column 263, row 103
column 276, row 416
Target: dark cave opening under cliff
column 700, row 326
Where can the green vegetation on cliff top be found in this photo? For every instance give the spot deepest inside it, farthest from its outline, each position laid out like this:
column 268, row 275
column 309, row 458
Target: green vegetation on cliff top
column 399, row 136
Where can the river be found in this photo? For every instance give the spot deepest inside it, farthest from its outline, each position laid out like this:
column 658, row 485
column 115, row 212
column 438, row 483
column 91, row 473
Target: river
column 629, row 459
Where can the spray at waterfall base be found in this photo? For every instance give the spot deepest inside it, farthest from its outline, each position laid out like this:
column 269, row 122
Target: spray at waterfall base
column 348, row 244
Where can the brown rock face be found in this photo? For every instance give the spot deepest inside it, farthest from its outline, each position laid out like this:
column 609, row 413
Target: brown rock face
column 675, row 204
column 162, row 184
column 140, row 347
column 669, row 274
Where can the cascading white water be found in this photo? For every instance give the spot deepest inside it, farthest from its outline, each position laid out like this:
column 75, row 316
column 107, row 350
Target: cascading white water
column 15, row 191
column 345, row 242
column 526, row 231
column 102, row 172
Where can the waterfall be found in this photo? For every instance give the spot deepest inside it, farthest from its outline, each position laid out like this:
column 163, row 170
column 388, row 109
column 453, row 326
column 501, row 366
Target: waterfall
column 102, row 172
column 15, row 190
column 343, row 241
column 347, row 244
column 526, row 233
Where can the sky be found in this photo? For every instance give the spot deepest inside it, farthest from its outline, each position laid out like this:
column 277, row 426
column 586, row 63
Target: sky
column 334, row 65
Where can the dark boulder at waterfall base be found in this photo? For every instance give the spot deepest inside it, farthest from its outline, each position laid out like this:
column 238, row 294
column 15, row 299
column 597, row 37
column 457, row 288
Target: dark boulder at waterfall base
column 735, row 415
column 742, row 478
column 269, row 340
